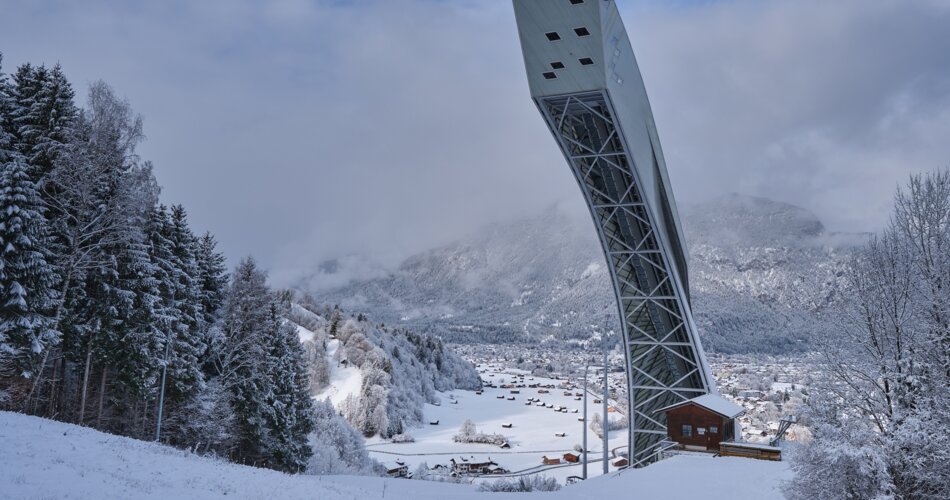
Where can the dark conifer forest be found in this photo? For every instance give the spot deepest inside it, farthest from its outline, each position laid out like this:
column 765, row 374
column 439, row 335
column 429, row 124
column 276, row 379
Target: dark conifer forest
column 116, row 313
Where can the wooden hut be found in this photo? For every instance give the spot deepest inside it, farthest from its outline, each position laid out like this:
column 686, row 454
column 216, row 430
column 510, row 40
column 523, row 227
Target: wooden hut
column 702, row 423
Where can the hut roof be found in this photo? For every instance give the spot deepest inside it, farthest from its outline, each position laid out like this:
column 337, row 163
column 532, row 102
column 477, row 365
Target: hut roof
column 712, row 402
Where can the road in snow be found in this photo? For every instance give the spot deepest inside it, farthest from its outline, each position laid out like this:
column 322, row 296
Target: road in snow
column 42, row 459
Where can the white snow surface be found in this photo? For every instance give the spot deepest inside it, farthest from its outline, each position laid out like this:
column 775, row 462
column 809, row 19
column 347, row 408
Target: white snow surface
column 303, row 333
column 534, row 431
column 344, row 380
column 715, row 403
column 45, row 459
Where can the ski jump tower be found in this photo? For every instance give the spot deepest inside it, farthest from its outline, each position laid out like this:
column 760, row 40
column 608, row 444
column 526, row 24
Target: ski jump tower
column 585, row 81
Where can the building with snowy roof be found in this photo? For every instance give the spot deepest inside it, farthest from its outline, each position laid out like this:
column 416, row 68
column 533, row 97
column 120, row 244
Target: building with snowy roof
column 702, row 423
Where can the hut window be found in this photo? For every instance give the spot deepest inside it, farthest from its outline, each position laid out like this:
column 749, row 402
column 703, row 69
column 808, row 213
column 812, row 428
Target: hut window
column 687, row 430
column 714, row 430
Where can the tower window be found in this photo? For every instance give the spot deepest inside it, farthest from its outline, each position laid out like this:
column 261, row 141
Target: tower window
column 557, row 65
column 553, row 36
column 550, row 75
column 582, row 31
column 585, row 61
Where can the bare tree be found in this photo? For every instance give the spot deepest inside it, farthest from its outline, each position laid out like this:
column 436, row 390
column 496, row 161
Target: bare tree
column 880, row 406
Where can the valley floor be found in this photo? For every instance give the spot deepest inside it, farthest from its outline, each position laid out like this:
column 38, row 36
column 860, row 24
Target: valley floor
column 42, row 459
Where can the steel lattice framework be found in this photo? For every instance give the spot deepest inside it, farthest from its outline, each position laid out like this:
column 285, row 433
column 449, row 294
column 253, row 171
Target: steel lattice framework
column 629, row 199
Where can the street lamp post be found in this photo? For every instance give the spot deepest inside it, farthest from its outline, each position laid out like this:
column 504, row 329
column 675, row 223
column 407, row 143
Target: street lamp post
column 584, row 425
column 161, row 396
column 606, row 393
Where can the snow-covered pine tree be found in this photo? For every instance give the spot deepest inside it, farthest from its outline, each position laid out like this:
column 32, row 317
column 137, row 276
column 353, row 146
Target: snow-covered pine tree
column 44, row 115
column 335, row 318
column 132, row 349
column 26, row 278
column 212, row 282
column 172, row 245
column 161, row 257
column 6, row 107
column 242, row 359
column 212, row 277
column 27, row 296
column 290, row 420
column 188, row 346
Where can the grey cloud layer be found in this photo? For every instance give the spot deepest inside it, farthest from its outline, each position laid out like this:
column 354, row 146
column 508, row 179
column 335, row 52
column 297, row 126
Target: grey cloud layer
column 300, row 131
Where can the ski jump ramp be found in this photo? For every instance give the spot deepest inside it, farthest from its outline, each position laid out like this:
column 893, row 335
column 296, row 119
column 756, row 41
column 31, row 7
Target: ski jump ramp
column 584, row 78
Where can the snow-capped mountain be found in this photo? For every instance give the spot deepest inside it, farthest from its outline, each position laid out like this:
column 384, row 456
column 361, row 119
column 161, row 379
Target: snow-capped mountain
column 762, row 276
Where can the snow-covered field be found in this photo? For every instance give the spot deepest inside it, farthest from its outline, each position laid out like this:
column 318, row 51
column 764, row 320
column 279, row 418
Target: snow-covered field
column 534, row 431
column 344, row 380
column 42, row 459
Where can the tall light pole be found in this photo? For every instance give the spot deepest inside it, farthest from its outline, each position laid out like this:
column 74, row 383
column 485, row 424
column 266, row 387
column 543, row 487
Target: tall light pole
column 606, row 393
column 161, row 396
column 584, row 425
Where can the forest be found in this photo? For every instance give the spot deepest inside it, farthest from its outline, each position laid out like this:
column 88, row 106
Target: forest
column 115, row 313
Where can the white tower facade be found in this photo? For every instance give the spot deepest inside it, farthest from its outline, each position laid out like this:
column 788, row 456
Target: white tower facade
column 584, row 78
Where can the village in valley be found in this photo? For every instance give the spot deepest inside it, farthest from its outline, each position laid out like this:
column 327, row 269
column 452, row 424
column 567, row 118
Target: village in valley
column 529, row 419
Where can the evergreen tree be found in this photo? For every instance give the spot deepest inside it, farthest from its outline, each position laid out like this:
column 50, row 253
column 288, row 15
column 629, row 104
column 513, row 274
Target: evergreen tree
column 243, row 356
column 44, row 115
column 172, row 245
column 132, row 349
column 290, row 419
column 264, row 366
column 6, row 109
column 335, row 318
column 212, row 282
column 27, row 297
column 188, row 343
column 212, row 276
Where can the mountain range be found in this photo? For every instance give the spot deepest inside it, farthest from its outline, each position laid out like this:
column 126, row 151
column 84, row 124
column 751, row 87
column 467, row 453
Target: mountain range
column 765, row 277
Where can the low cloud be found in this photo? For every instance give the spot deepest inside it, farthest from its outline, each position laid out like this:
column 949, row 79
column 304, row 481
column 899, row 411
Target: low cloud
column 301, row 131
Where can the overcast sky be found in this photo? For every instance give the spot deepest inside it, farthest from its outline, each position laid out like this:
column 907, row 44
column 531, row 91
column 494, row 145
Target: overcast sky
column 301, row 130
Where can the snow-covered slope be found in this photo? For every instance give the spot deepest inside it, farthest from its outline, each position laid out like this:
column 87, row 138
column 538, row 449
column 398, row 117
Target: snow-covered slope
column 378, row 377
column 46, row 459
column 344, row 380
column 762, row 275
